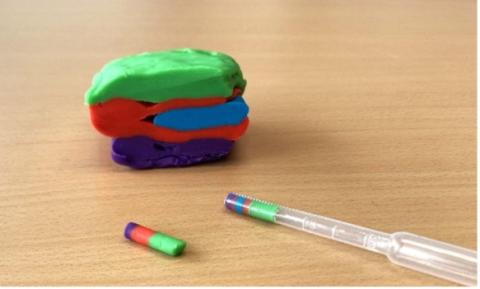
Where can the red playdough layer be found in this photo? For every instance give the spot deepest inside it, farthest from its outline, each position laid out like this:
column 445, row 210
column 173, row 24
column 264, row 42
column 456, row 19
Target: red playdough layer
column 120, row 117
column 141, row 235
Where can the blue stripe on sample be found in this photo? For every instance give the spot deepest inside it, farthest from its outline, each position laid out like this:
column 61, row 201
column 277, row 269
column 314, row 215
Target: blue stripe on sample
column 239, row 205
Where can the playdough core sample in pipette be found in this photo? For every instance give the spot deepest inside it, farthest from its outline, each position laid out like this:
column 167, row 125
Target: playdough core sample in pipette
column 418, row 253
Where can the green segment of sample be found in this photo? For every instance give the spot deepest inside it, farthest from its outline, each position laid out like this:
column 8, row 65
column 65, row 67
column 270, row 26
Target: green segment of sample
column 163, row 75
column 263, row 211
column 166, row 244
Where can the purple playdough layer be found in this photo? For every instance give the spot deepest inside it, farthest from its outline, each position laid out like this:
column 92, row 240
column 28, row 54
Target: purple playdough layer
column 142, row 152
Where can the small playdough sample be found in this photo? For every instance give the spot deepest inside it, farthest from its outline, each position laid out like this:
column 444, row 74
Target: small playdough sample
column 155, row 240
column 169, row 108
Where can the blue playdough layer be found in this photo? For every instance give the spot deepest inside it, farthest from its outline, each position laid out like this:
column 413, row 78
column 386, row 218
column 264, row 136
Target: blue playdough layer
column 229, row 113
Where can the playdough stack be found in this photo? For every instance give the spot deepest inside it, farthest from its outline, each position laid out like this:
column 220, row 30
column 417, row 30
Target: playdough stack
column 169, row 108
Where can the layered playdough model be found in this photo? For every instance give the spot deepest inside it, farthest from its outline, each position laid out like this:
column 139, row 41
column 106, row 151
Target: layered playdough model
column 169, row 108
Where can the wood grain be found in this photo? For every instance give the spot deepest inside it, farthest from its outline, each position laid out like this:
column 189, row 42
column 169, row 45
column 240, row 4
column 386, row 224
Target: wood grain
column 360, row 110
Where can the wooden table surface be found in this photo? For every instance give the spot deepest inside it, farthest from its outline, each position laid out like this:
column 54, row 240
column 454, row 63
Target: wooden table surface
column 360, row 110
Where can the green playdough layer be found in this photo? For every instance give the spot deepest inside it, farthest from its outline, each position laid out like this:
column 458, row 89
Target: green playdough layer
column 263, row 211
column 166, row 244
column 163, row 75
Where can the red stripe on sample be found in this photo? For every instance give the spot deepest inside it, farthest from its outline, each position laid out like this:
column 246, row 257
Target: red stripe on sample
column 141, row 235
column 246, row 206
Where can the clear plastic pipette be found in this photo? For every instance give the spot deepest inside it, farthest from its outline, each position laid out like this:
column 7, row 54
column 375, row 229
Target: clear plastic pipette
column 418, row 253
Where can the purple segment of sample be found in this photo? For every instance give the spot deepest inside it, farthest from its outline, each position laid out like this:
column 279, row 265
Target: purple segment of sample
column 142, row 152
column 230, row 201
column 128, row 230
